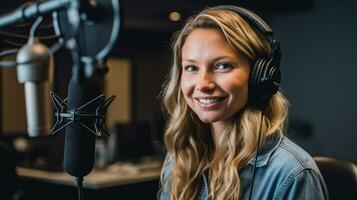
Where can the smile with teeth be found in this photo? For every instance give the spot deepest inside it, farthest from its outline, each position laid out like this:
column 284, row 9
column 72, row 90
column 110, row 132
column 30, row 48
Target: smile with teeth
column 207, row 101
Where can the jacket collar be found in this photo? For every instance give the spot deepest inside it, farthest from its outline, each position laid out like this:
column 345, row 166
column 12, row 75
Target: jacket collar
column 267, row 150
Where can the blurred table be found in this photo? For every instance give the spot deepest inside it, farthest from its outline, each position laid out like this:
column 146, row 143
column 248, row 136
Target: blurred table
column 117, row 181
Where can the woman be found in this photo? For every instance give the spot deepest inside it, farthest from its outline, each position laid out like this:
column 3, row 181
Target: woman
column 216, row 124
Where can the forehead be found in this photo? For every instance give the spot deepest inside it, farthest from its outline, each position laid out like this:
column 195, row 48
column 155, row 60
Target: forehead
column 206, row 43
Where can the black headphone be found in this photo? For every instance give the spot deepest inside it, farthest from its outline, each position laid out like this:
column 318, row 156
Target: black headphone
column 265, row 76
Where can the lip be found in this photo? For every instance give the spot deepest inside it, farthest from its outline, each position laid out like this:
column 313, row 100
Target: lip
column 211, row 106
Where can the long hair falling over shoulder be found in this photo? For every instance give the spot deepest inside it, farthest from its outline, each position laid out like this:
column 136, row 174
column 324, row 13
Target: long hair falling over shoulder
column 188, row 140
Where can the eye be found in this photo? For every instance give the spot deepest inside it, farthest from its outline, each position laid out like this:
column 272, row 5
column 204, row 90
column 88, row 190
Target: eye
column 190, row 68
column 224, row 67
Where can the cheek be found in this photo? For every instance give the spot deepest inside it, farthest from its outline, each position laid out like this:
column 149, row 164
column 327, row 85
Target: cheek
column 244, row 93
column 238, row 90
column 186, row 86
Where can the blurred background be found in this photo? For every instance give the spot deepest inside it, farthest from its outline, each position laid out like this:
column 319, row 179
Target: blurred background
column 318, row 41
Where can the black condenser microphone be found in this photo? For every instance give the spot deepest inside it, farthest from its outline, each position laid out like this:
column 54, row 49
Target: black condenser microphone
column 79, row 145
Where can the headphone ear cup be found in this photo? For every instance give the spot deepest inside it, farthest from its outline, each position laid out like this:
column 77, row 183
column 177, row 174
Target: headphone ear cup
column 253, row 87
column 274, row 80
column 264, row 82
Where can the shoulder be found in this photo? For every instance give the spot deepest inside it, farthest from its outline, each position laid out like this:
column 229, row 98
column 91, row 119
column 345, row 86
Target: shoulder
column 299, row 174
column 292, row 157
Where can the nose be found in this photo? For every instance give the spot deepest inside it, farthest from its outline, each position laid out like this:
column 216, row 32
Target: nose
column 205, row 82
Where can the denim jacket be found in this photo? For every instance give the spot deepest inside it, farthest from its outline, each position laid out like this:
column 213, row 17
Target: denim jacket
column 283, row 171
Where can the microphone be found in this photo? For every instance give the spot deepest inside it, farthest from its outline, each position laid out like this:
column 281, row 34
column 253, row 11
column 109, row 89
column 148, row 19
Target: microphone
column 79, row 146
column 32, row 71
column 83, row 116
column 80, row 142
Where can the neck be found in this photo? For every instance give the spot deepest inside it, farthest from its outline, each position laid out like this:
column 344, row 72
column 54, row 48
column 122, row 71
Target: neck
column 217, row 129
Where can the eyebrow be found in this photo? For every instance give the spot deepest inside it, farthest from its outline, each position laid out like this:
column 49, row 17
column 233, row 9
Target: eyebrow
column 221, row 58
column 213, row 60
column 189, row 60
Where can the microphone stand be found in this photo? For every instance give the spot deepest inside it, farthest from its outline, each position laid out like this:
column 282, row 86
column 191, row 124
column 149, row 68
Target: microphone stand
column 83, row 66
column 82, row 69
column 34, row 10
column 79, row 183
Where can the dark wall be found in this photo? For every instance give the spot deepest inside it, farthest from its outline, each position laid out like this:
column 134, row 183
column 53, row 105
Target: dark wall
column 149, row 53
column 319, row 69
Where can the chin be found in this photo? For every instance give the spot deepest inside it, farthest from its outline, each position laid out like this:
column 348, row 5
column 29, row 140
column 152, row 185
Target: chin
column 209, row 119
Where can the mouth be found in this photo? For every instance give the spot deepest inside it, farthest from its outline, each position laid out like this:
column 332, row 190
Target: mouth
column 210, row 101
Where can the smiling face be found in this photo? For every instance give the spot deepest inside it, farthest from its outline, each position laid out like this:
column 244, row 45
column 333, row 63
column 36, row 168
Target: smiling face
column 214, row 78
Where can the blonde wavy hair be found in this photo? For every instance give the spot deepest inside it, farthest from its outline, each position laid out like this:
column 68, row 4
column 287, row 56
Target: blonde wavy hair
column 188, row 140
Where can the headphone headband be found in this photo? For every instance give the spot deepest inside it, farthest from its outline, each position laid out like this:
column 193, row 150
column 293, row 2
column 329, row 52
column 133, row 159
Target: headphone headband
column 251, row 17
column 260, row 25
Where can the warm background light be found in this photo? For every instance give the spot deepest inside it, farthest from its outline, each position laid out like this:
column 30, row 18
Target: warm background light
column 175, row 16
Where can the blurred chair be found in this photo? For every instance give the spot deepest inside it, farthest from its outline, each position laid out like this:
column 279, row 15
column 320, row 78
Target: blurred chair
column 129, row 141
column 340, row 177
